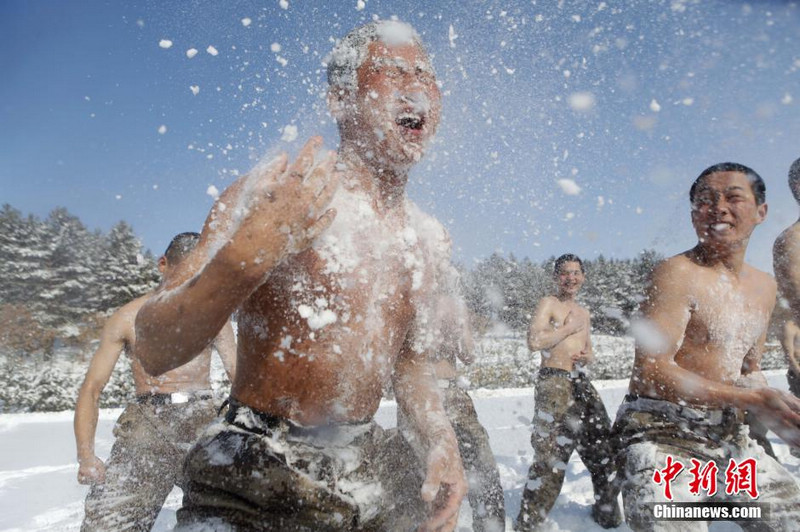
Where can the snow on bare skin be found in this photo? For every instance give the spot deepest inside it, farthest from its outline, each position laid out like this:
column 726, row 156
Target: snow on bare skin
column 706, row 314
column 327, row 326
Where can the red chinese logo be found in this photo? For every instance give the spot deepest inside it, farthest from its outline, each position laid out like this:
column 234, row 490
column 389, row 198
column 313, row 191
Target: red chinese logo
column 739, row 477
column 703, row 478
column 667, row 475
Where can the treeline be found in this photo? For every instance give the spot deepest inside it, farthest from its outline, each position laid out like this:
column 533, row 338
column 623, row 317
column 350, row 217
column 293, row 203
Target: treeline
column 57, row 278
column 505, row 290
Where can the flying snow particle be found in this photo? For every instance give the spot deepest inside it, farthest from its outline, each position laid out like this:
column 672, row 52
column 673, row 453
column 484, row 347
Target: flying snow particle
column 282, row 60
column 118, row 196
column 162, row 129
column 284, row 4
column 213, row 191
column 639, row 210
column 569, row 187
column 360, row 5
column 211, row 50
column 581, row 101
column 600, row 202
column 452, row 35
column 165, row 43
column 655, row 106
column 275, row 47
column 787, row 99
column 191, row 52
column 687, row 101
column 289, row 133
column 195, row 89
column 246, row 21
column 140, row 23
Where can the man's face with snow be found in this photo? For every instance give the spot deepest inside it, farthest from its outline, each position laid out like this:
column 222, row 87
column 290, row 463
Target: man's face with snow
column 396, row 107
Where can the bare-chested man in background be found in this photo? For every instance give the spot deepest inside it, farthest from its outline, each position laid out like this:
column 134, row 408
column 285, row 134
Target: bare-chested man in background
column 698, row 350
column 332, row 304
column 786, row 263
column 153, row 433
column 569, row 413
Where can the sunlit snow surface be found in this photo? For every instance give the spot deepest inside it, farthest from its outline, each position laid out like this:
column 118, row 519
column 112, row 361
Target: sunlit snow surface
column 38, row 491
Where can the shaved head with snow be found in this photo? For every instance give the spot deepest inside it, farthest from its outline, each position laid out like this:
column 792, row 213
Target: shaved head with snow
column 349, row 53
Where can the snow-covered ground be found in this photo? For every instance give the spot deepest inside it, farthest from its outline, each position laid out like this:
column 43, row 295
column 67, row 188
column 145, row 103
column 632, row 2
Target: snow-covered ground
column 38, row 490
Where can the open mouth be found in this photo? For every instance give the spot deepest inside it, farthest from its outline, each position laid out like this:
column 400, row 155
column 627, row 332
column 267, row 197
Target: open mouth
column 410, row 121
column 720, row 226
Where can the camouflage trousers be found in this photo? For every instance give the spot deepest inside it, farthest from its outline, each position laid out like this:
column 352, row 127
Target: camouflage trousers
column 569, row 416
column 651, row 431
column 794, row 387
column 256, row 472
column 484, row 492
column 145, row 464
column 794, row 382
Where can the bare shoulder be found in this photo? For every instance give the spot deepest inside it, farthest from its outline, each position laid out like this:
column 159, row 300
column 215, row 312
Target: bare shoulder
column 761, row 280
column 675, row 270
column 786, row 246
column 122, row 322
column 430, row 231
column 547, row 304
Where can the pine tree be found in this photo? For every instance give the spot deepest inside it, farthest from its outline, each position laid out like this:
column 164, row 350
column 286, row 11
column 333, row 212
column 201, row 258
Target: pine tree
column 71, row 258
column 126, row 271
column 22, row 256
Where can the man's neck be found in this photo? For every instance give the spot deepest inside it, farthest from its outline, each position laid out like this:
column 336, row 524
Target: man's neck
column 730, row 258
column 384, row 184
column 565, row 297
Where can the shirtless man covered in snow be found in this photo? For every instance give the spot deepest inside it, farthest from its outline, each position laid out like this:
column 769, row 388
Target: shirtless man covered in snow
column 332, row 305
column 155, row 431
column 696, row 370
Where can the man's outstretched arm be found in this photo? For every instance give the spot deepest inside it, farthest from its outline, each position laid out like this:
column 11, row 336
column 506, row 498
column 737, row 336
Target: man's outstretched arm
column 272, row 212
column 666, row 313
column 418, row 396
column 92, row 470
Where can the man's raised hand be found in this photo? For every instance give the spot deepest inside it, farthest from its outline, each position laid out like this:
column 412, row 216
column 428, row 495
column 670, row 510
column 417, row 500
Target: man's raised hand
column 282, row 207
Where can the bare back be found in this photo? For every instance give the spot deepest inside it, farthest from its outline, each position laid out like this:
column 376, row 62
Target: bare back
column 190, row 377
column 319, row 339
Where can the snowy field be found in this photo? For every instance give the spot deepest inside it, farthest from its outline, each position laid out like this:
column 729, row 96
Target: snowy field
column 38, row 490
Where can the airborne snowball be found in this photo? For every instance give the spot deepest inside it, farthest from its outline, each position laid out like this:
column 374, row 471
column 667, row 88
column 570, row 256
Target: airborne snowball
column 211, row 50
column 284, row 4
column 581, row 101
column 569, row 187
column 213, row 191
column 191, row 52
column 289, row 133
column 195, row 89
column 655, row 106
column 162, row 129
column 360, row 5
column 165, row 43
column 275, row 47
column 246, row 22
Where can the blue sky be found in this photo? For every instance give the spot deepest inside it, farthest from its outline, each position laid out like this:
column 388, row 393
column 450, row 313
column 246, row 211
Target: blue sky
column 629, row 100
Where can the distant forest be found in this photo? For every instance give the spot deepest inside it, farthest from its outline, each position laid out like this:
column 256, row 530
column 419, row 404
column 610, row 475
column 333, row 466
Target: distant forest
column 59, row 281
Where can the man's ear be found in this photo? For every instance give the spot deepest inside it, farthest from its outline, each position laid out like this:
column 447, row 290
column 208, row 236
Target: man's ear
column 162, row 263
column 761, row 213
